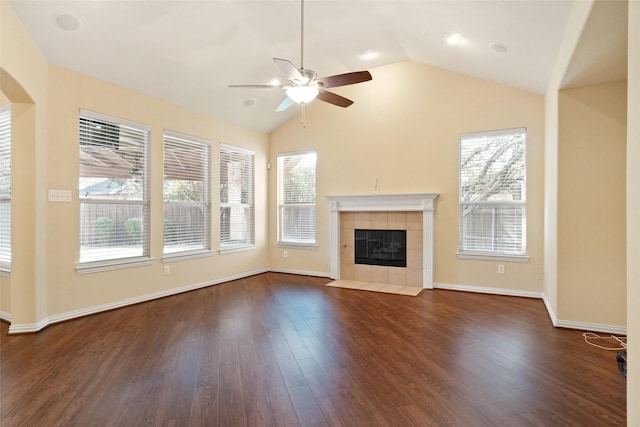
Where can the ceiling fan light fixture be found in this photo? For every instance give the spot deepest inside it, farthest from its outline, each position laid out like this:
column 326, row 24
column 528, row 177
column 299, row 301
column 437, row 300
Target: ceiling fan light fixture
column 302, row 94
column 453, row 39
column 369, row 54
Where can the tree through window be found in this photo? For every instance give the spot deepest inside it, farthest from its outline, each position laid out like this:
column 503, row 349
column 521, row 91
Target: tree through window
column 493, row 192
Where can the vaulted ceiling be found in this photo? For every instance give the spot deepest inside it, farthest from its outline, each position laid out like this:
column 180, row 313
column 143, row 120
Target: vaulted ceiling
column 187, row 52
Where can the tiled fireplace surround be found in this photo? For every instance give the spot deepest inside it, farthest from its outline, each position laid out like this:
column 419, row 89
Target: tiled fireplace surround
column 411, row 212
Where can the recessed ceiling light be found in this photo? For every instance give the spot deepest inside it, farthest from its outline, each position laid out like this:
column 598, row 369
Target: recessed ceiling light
column 453, row 39
column 368, row 54
column 274, row 81
column 68, row 22
column 250, row 102
column 497, row 47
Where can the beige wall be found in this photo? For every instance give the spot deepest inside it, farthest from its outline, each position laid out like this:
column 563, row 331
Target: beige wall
column 577, row 19
column 402, row 135
column 69, row 291
column 591, row 204
column 43, row 284
column 633, row 216
column 23, row 79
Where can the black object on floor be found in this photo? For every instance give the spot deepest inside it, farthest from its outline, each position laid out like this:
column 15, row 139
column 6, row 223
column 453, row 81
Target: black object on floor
column 621, row 357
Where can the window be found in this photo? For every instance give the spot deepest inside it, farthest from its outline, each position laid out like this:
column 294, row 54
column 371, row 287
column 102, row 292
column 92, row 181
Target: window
column 187, row 206
column 236, row 197
column 493, row 193
column 113, row 191
column 297, row 198
column 5, row 187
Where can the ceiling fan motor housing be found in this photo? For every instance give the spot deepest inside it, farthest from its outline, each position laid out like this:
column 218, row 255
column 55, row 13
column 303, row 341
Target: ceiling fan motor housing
column 308, row 76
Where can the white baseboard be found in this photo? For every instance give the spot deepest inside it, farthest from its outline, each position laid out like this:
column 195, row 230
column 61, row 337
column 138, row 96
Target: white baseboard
column 592, row 327
column 300, row 272
column 485, row 290
column 35, row 327
column 559, row 323
column 583, row 326
column 28, row 328
column 552, row 314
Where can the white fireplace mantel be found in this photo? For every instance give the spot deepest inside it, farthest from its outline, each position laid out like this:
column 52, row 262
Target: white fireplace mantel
column 416, row 202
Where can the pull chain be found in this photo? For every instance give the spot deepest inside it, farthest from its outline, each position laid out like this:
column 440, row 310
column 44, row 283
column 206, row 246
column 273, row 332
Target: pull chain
column 302, row 114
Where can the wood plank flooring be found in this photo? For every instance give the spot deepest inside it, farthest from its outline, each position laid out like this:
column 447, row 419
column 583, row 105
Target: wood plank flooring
column 284, row 350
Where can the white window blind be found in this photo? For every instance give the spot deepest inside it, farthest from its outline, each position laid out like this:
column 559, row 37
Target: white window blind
column 113, row 189
column 186, row 194
column 297, row 198
column 493, row 192
column 236, row 197
column 5, row 186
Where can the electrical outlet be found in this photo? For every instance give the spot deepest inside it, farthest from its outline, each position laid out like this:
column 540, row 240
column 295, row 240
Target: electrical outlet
column 500, row 268
column 167, row 270
column 285, row 254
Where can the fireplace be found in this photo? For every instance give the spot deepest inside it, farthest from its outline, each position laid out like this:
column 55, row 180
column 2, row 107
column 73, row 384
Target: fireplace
column 411, row 212
column 381, row 247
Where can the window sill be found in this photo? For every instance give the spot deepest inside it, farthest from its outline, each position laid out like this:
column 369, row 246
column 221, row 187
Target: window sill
column 483, row 256
column 293, row 245
column 182, row 256
column 232, row 249
column 98, row 267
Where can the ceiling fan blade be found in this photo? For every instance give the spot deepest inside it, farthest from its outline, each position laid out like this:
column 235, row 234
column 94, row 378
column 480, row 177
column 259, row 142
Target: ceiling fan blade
column 334, row 99
column 260, row 86
column 286, row 103
column 288, row 69
column 344, row 79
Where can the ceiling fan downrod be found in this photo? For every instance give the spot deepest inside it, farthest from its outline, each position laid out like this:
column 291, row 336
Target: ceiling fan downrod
column 301, row 34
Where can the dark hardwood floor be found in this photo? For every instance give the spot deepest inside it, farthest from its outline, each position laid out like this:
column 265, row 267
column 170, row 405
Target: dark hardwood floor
column 283, row 350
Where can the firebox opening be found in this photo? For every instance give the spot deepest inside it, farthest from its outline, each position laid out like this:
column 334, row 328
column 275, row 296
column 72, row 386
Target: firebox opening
column 381, row 247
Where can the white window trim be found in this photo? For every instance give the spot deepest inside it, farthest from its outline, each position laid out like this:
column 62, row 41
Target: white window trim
column 100, row 266
column 194, row 253
column 107, row 265
column 239, row 247
column 293, row 245
column 5, row 267
column 285, row 244
column 487, row 256
column 182, row 256
column 106, row 118
column 492, row 256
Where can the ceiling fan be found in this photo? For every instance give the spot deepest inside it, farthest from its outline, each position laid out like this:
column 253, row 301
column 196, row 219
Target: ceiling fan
column 303, row 84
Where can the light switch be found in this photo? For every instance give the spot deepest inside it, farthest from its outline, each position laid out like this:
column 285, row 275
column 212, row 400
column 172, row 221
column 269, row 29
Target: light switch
column 60, row 196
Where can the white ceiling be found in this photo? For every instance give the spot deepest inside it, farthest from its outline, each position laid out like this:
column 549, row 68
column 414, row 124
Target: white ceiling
column 187, row 52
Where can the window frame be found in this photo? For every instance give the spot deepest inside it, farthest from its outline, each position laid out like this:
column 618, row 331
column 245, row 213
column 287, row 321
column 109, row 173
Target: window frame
column 196, row 143
column 248, row 243
column 93, row 266
column 493, row 255
column 281, row 242
column 5, row 265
